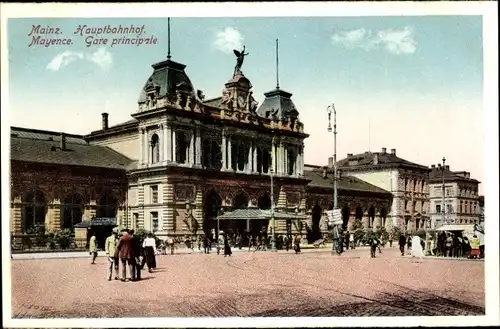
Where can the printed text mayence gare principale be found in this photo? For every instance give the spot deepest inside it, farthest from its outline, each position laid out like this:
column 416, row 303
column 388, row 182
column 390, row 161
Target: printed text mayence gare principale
column 109, row 35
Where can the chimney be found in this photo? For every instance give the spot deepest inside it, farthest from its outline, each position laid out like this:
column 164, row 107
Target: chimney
column 468, row 175
column 393, row 151
column 384, row 150
column 375, row 158
column 63, row 141
column 439, row 165
column 433, row 166
column 105, row 121
column 330, row 162
column 324, row 173
column 447, row 167
column 349, row 155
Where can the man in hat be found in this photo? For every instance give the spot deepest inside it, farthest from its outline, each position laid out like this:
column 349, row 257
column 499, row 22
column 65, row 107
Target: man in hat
column 93, row 247
column 112, row 253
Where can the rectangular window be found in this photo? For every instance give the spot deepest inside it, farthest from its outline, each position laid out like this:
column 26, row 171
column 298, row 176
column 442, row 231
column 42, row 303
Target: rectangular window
column 474, row 209
column 154, row 221
column 449, row 209
column 154, row 194
column 135, row 224
column 438, row 208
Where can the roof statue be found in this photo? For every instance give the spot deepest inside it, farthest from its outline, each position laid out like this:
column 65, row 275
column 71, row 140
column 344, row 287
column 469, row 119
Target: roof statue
column 240, row 56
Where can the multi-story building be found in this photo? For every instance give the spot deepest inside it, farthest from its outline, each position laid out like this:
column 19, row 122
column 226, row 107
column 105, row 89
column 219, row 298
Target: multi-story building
column 178, row 164
column 461, row 197
column 407, row 181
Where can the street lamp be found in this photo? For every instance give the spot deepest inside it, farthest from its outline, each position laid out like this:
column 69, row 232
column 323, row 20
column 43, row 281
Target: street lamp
column 443, row 210
column 331, row 109
column 273, row 221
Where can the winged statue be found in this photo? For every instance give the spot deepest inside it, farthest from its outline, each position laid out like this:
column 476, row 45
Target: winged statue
column 240, row 56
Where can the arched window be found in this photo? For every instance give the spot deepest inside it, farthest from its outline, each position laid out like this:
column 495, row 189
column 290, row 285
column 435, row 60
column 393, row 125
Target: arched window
column 34, row 210
column 71, row 211
column 155, row 149
column 106, row 206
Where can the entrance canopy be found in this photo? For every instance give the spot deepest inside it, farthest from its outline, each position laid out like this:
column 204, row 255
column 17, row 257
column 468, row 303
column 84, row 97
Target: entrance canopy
column 243, row 214
column 98, row 221
column 457, row 227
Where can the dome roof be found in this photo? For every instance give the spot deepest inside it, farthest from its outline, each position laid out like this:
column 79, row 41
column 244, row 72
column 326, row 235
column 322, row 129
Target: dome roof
column 167, row 77
column 278, row 103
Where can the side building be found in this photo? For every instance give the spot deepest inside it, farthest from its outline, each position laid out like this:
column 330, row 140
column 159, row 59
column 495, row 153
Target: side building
column 461, row 197
column 407, row 182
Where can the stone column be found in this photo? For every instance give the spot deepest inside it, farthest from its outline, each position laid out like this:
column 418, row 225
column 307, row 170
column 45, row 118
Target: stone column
column 254, row 169
column 168, row 198
column 248, row 167
column 168, row 143
column 198, row 211
column 272, row 164
column 15, row 221
column 164, row 144
column 191, row 149
column 174, row 144
column 120, row 217
column 198, row 148
column 53, row 218
column 229, row 154
column 365, row 220
column 279, row 159
column 377, row 222
column 224, row 151
column 141, row 147
column 285, row 160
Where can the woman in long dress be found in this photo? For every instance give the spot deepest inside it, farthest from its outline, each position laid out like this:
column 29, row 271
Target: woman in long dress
column 416, row 247
column 149, row 246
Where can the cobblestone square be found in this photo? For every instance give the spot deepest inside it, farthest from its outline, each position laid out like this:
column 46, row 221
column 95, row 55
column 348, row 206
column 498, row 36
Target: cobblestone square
column 313, row 283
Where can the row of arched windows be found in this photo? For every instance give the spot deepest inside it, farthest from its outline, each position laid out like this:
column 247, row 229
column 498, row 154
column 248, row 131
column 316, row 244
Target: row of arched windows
column 34, row 209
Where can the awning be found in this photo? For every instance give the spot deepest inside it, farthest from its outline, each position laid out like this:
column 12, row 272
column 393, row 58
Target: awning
column 456, row 227
column 99, row 221
column 244, row 214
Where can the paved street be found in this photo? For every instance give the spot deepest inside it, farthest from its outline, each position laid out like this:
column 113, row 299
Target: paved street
column 314, row 283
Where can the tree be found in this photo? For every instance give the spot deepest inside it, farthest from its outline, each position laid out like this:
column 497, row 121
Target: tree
column 358, row 229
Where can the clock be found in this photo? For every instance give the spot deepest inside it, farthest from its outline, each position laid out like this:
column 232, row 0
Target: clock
column 241, row 101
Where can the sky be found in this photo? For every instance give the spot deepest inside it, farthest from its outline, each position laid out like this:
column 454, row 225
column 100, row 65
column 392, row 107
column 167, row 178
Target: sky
column 410, row 83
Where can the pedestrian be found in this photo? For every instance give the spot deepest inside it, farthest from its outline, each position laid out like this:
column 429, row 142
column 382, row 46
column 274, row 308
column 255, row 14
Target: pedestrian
column 391, row 237
column 126, row 254
column 227, row 247
column 149, row 247
column 171, row 244
column 373, row 246
column 238, row 241
column 448, row 246
column 402, row 243
column 198, row 240
column 474, row 245
column 287, row 242
column 93, row 247
column 112, row 253
column 351, row 240
column 220, row 242
column 416, row 247
column 135, row 262
column 206, row 244
column 296, row 244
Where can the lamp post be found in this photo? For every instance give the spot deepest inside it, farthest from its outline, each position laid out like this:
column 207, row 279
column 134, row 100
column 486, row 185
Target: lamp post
column 443, row 210
column 273, row 221
column 331, row 109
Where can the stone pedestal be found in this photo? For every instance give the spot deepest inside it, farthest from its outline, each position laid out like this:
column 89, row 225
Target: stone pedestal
column 81, row 237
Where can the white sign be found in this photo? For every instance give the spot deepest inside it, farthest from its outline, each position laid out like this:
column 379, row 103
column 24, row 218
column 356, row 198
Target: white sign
column 334, row 217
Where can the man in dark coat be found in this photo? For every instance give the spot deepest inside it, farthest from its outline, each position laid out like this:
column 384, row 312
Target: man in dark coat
column 137, row 264
column 402, row 242
column 126, row 254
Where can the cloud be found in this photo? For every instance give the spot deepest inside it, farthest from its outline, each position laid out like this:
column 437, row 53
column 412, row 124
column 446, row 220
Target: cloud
column 228, row 39
column 100, row 57
column 393, row 41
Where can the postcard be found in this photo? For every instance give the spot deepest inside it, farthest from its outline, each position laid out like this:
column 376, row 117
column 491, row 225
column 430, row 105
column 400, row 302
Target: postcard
column 265, row 164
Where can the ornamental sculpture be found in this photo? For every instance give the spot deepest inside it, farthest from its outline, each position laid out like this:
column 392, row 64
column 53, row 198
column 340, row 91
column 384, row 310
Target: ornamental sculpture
column 240, row 56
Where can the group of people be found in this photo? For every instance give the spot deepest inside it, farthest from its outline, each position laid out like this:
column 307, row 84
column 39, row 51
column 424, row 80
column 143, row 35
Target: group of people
column 457, row 245
column 127, row 251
